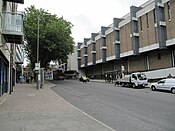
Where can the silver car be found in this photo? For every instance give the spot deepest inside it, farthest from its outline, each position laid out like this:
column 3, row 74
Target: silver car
column 164, row 84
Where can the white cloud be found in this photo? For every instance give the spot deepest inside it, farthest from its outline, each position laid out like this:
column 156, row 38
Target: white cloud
column 87, row 16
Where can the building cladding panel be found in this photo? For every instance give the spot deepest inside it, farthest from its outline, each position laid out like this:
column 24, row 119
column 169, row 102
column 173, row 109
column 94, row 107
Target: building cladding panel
column 136, row 63
column 82, row 57
column 125, row 39
column 159, row 59
column 89, row 53
column 147, row 35
column 79, row 53
column 110, row 44
column 79, row 63
column 98, row 49
column 170, row 23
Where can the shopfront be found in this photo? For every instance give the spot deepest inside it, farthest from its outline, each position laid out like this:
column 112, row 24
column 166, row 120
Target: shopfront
column 3, row 75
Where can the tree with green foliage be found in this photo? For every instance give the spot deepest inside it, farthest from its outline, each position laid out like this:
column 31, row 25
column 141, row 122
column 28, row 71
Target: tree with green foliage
column 55, row 41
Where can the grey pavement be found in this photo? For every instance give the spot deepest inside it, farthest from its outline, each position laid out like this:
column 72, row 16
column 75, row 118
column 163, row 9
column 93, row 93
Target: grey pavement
column 29, row 109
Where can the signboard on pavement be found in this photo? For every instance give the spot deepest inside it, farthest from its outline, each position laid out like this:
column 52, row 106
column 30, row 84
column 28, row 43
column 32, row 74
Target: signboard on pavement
column 37, row 66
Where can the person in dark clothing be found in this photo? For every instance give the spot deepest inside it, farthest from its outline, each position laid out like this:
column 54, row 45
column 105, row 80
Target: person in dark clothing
column 169, row 76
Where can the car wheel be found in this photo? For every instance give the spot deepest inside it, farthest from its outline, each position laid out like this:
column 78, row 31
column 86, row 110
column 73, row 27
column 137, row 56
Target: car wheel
column 133, row 85
column 123, row 84
column 116, row 83
column 173, row 90
column 153, row 88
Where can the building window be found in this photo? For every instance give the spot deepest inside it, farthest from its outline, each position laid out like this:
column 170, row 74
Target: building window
column 141, row 29
column 154, row 13
column 169, row 10
column 158, row 56
column 147, row 20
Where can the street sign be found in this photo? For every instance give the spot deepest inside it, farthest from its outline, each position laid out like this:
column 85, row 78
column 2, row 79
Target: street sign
column 37, row 66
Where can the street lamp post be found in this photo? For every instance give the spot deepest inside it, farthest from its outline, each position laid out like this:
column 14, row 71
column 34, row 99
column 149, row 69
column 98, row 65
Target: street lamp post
column 38, row 42
column 38, row 63
column 38, row 73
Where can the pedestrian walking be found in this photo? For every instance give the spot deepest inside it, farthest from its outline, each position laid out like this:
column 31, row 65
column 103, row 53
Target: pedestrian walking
column 21, row 78
column 31, row 78
column 28, row 79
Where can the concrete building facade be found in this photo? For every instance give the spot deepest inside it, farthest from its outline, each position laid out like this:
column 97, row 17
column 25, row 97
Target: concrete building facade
column 143, row 40
column 72, row 64
column 11, row 43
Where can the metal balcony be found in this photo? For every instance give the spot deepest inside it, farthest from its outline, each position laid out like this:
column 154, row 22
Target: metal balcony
column 16, row 1
column 12, row 27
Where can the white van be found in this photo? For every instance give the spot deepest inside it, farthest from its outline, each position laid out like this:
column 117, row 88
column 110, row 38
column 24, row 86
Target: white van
column 164, row 84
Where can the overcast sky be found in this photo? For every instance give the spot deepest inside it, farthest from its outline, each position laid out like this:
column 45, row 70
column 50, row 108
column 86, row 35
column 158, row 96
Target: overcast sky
column 87, row 16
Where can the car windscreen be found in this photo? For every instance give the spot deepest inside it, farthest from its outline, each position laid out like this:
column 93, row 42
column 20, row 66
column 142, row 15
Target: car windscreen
column 142, row 77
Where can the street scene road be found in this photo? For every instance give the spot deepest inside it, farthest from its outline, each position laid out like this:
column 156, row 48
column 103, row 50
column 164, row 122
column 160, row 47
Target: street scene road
column 121, row 108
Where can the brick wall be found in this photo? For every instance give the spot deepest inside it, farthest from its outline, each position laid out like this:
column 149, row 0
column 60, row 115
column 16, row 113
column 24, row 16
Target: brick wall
column 136, row 63
column 125, row 40
column 147, row 36
column 170, row 24
column 89, row 53
column 159, row 59
column 109, row 44
column 98, row 50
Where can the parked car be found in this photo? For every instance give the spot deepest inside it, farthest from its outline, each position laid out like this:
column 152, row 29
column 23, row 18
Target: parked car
column 81, row 79
column 164, row 84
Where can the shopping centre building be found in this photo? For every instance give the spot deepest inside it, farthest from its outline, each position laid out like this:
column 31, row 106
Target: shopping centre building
column 141, row 41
